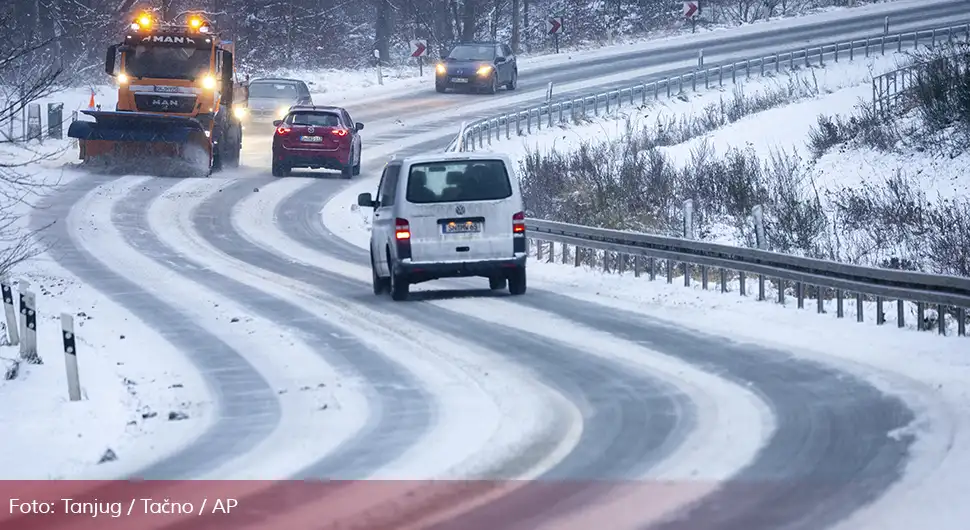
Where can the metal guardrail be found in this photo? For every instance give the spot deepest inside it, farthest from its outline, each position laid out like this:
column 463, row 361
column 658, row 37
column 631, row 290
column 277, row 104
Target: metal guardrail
column 890, row 90
column 481, row 132
column 806, row 276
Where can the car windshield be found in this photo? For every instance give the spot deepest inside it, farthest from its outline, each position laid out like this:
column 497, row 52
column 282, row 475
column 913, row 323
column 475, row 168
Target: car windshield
column 286, row 91
column 472, row 53
column 166, row 62
column 315, row 119
column 458, row 181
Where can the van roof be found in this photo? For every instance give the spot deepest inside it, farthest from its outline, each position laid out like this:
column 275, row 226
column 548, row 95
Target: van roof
column 451, row 155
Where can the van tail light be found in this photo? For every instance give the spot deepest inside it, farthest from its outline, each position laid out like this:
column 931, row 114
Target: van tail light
column 282, row 130
column 402, row 230
column 518, row 233
column 402, row 235
column 518, row 223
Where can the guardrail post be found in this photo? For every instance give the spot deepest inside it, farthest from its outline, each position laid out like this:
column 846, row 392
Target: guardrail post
column 720, row 75
column 743, row 283
column 839, row 306
column 868, row 41
column 704, row 277
column 707, row 79
column 933, row 39
column 680, row 84
column 836, row 54
column 552, row 252
column 941, row 319
column 565, row 253
column 858, row 307
column 620, row 263
column 670, row 270
column 800, row 294
column 920, row 315
column 880, row 312
column 791, row 60
column 757, row 212
column 30, row 335
column 723, row 278
column 777, row 63
column 781, row 291
column 852, row 50
column 820, row 299
column 607, row 103
column 762, row 61
column 667, row 82
column 962, row 322
column 538, row 249
column 900, row 314
column 734, row 74
column 821, row 55
column 747, row 68
column 606, row 261
column 578, row 256
column 653, row 268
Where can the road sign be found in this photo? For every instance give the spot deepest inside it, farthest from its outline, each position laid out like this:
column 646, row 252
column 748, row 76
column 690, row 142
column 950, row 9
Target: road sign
column 690, row 9
column 419, row 48
column 554, row 25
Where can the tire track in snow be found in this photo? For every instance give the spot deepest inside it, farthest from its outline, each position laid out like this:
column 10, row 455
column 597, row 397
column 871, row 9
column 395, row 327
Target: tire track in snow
column 246, row 408
column 832, row 453
column 400, row 411
column 632, row 421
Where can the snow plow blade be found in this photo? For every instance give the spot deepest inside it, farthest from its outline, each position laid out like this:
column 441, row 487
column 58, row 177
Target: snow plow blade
column 143, row 142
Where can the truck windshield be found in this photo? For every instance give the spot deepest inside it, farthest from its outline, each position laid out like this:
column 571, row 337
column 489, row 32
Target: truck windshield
column 167, row 62
column 285, row 91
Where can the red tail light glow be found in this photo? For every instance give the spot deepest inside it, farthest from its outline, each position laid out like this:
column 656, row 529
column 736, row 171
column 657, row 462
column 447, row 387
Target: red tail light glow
column 402, row 230
column 518, row 223
column 282, row 130
column 339, row 132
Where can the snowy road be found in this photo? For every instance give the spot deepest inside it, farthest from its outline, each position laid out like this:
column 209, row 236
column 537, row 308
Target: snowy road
column 462, row 382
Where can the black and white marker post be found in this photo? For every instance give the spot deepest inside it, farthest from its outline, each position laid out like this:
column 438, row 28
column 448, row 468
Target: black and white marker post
column 13, row 334
column 30, row 329
column 22, row 287
column 70, row 357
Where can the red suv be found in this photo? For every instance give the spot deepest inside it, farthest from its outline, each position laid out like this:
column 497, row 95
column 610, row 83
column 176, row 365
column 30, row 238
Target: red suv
column 316, row 137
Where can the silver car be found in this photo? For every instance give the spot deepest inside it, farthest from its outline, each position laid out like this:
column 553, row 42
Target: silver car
column 271, row 98
column 447, row 215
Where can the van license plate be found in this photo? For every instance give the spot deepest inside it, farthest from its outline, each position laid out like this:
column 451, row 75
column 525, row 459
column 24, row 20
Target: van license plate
column 468, row 227
column 311, row 138
column 459, row 80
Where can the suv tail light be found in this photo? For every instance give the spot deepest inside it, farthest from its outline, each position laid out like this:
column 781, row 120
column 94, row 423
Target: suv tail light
column 518, row 223
column 283, row 130
column 402, row 236
column 339, row 132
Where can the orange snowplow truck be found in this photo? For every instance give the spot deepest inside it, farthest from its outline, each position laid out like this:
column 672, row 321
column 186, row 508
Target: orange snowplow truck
column 175, row 113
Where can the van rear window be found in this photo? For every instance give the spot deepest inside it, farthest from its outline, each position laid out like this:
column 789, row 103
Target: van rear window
column 458, row 181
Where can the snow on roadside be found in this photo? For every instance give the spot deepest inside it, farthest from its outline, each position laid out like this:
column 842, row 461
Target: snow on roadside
column 141, row 399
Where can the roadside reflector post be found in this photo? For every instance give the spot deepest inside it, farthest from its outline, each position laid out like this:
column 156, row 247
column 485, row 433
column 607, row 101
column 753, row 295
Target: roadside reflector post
column 700, row 58
column 380, row 76
column 30, row 329
column 13, row 334
column 70, row 357
column 759, row 232
column 22, row 287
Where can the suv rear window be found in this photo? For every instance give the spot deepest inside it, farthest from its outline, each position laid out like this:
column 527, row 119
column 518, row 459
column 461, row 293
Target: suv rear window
column 458, row 181
column 314, row 119
column 272, row 90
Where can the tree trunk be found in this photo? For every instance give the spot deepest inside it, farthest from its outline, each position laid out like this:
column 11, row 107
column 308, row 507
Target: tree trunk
column 469, row 19
column 525, row 23
column 383, row 33
column 515, row 26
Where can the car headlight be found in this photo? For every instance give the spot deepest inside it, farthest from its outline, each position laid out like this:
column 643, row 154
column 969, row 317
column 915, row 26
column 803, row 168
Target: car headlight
column 440, row 69
column 485, row 70
column 240, row 112
column 208, row 82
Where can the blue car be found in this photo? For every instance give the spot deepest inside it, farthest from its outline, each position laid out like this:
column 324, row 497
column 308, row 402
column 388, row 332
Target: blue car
column 477, row 66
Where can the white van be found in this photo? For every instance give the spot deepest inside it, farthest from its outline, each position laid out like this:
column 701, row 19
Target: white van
column 447, row 215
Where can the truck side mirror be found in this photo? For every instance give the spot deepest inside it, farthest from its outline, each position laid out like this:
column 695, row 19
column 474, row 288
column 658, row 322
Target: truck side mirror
column 109, row 59
column 365, row 200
